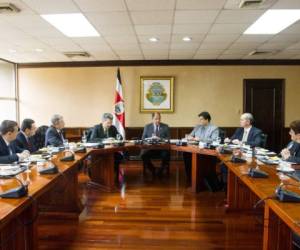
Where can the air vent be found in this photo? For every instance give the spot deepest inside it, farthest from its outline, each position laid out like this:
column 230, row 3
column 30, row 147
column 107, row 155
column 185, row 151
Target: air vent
column 262, row 52
column 8, row 8
column 77, row 54
column 250, row 3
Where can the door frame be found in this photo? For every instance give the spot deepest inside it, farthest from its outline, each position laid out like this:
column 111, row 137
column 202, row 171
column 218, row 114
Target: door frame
column 282, row 108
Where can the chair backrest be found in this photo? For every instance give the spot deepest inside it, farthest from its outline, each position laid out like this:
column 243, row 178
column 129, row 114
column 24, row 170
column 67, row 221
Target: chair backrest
column 222, row 133
column 264, row 138
column 89, row 134
column 39, row 137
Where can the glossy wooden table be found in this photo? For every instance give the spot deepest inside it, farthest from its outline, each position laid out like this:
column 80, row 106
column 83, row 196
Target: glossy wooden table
column 280, row 219
column 101, row 169
column 203, row 164
column 102, row 163
column 56, row 195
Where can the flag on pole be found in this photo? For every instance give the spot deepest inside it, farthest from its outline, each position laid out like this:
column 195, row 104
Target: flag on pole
column 119, row 109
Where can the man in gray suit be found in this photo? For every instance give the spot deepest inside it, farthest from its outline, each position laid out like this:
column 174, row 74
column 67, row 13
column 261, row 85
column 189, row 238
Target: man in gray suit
column 156, row 130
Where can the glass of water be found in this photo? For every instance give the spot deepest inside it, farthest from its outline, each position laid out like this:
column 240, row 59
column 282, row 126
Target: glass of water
column 66, row 143
column 84, row 139
column 28, row 167
column 186, row 137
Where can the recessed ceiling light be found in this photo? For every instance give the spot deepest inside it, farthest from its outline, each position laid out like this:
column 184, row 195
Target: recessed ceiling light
column 273, row 21
column 12, row 51
column 187, row 39
column 72, row 25
column 39, row 50
column 153, row 39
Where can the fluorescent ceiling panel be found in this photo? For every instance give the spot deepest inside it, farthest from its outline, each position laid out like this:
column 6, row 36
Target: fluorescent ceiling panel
column 72, row 25
column 273, row 21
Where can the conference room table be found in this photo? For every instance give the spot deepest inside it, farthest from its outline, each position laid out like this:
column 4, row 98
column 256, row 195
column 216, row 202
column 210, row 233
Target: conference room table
column 57, row 195
column 280, row 219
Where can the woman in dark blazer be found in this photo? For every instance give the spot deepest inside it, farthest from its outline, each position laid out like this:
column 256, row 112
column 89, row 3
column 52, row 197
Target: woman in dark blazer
column 292, row 152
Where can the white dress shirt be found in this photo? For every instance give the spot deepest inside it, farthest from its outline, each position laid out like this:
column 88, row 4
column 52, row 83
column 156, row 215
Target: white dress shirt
column 246, row 134
column 9, row 148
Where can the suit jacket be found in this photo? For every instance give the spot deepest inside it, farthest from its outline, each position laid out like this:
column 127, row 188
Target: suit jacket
column 98, row 133
column 254, row 136
column 22, row 143
column 53, row 138
column 5, row 156
column 295, row 153
column 164, row 131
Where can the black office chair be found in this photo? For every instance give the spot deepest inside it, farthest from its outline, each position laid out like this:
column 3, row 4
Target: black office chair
column 89, row 134
column 222, row 134
column 39, row 137
column 264, row 138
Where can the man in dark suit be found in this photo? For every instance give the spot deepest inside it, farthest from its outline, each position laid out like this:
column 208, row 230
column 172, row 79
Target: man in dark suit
column 9, row 153
column 105, row 129
column 292, row 152
column 24, row 138
column 54, row 134
column 156, row 130
column 247, row 133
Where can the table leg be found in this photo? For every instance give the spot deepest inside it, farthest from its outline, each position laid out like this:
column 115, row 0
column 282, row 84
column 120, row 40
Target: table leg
column 62, row 200
column 21, row 232
column 203, row 166
column 102, row 172
column 277, row 235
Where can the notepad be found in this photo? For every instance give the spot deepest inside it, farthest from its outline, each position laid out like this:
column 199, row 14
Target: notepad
column 11, row 171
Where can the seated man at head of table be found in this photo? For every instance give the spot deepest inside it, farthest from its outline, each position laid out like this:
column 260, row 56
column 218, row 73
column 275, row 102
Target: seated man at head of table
column 292, row 152
column 156, row 130
column 9, row 153
column 205, row 131
column 24, row 138
column 54, row 136
column 247, row 133
column 106, row 130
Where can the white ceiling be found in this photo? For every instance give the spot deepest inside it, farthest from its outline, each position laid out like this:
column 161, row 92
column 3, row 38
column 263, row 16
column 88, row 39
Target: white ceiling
column 215, row 26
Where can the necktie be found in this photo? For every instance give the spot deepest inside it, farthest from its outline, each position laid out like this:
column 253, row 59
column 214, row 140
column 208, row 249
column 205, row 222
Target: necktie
column 157, row 130
column 245, row 136
column 106, row 132
column 60, row 135
column 29, row 145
